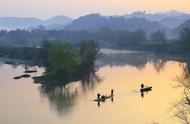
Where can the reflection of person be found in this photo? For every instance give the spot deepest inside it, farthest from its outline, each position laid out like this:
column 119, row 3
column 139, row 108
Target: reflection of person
column 98, row 104
column 142, row 94
column 112, row 99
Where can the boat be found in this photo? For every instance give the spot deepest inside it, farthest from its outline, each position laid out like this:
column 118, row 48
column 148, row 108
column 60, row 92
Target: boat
column 146, row 89
column 22, row 76
column 30, row 71
column 104, row 97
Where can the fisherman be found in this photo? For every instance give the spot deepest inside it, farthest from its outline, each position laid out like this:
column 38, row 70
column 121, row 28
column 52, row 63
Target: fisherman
column 98, row 96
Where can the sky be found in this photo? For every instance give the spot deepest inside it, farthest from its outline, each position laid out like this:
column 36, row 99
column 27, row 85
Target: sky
column 74, row 8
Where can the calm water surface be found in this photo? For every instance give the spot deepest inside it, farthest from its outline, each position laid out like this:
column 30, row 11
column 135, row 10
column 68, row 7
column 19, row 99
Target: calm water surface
column 23, row 102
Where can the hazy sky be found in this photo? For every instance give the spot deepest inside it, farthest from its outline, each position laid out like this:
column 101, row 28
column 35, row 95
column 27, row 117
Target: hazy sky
column 74, row 8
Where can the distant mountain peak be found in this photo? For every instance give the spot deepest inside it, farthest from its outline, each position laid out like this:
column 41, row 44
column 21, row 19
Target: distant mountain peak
column 59, row 17
column 172, row 13
column 60, row 20
column 12, row 23
column 92, row 15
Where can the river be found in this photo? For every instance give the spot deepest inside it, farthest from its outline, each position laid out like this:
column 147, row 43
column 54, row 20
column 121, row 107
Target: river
column 23, row 102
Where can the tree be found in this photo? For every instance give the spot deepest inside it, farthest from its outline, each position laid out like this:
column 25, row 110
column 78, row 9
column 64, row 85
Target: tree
column 64, row 61
column 138, row 37
column 185, row 36
column 44, row 53
column 89, row 51
column 158, row 37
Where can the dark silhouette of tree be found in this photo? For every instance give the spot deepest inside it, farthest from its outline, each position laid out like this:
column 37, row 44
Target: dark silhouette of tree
column 185, row 37
column 182, row 107
column 158, row 37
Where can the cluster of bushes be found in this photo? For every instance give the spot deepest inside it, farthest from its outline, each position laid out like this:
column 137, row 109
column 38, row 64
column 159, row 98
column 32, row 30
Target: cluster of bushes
column 67, row 62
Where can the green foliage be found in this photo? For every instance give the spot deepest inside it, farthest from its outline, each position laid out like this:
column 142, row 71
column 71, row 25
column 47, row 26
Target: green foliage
column 67, row 63
column 89, row 51
column 64, row 61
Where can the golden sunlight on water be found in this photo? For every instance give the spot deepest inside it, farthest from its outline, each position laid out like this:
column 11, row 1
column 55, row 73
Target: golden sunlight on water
column 24, row 102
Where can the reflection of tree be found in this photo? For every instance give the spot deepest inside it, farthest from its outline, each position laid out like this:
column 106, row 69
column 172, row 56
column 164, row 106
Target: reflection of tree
column 136, row 59
column 159, row 65
column 122, row 59
column 183, row 105
column 63, row 97
column 1, row 63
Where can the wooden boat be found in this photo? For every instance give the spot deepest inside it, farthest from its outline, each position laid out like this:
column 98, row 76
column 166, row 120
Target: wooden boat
column 30, row 71
column 22, row 76
column 104, row 97
column 17, row 77
column 146, row 89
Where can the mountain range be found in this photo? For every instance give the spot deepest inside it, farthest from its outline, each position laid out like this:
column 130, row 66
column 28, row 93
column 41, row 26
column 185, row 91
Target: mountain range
column 11, row 23
column 186, row 24
column 95, row 22
column 167, row 21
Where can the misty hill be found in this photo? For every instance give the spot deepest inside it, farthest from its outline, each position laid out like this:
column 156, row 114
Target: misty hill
column 92, row 22
column 14, row 22
column 158, row 16
column 186, row 24
column 170, row 19
column 144, row 24
column 11, row 23
column 172, row 22
column 172, row 13
column 148, row 16
column 95, row 22
column 60, row 20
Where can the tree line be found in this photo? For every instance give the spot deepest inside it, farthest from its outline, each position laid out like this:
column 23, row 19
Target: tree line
column 138, row 40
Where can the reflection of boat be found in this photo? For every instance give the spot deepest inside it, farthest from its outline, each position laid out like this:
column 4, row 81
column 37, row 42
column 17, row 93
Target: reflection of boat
column 104, row 97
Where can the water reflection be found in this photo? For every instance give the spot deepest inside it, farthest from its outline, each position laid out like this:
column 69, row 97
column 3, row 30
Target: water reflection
column 69, row 98
column 138, row 60
column 182, row 107
column 159, row 64
column 118, row 58
column 62, row 98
